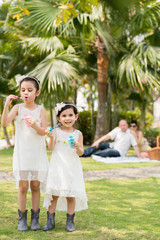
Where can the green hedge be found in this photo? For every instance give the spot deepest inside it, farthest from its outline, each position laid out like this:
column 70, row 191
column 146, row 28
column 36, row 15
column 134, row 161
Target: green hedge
column 136, row 115
column 85, row 126
column 151, row 135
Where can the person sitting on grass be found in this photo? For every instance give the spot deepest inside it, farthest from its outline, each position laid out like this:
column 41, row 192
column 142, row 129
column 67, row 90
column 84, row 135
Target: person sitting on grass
column 142, row 142
column 123, row 139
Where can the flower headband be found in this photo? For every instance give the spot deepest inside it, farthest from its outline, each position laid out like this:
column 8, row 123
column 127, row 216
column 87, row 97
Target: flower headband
column 59, row 106
column 21, row 78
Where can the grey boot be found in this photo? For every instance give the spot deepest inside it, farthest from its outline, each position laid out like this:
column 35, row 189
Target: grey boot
column 70, row 223
column 35, row 220
column 22, row 221
column 50, row 222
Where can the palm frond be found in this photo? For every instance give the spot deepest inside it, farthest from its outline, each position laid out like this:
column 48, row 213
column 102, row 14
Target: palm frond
column 56, row 69
column 96, row 14
column 103, row 31
column 131, row 70
column 44, row 44
column 148, row 54
column 42, row 15
column 5, row 57
column 147, row 17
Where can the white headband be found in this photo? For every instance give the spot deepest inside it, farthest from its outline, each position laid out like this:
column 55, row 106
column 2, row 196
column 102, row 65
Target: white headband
column 59, row 106
column 21, row 78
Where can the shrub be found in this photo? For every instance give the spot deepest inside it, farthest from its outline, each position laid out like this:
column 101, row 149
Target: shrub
column 9, row 131
column 85, row 126
column 136, row 115
column 151, row 135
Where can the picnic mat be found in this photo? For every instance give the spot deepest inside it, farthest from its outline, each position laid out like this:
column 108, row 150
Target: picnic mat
column 127, row 159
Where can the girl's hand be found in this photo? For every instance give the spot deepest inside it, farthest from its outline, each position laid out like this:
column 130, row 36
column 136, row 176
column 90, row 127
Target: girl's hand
column 76, row 145
column 49, row 133
column 9, row 99
column 30, row 121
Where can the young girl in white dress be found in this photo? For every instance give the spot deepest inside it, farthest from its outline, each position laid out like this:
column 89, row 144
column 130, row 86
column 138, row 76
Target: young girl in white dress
column 65, row 189
column 30, row 162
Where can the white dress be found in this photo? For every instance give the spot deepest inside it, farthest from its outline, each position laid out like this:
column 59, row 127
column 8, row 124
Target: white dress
column 30, row 161
column 65, row 175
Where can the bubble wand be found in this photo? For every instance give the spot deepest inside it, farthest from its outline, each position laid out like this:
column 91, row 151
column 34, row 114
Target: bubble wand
column 57, row 125
column 25, row 118
column 15, row 97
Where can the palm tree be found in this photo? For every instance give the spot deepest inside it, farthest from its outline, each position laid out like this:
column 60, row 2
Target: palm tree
column 100, row 29
column 40, row 52
column 110, row 25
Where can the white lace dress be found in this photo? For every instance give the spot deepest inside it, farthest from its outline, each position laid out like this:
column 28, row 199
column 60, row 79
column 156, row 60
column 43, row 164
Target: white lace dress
column 65, row 175
column 30, row 161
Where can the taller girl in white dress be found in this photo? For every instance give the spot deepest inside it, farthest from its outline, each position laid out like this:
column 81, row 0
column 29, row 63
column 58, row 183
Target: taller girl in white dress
column 30, row 162
column 65, row 189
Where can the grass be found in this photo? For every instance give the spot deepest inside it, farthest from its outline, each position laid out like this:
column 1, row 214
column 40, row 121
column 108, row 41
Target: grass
column 87, row 163
column 118, row 209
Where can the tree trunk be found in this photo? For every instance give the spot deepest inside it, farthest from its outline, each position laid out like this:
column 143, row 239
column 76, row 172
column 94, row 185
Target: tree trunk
column 102, row 65
column 75, row 90
column 109, row 111
column 6, row 137
column 92, row 95
column 142, row 118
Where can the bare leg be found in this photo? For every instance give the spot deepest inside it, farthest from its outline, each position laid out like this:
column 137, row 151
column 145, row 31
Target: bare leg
column 35, row 194
column 22, row 195
column 70, row 205
column 53, row 205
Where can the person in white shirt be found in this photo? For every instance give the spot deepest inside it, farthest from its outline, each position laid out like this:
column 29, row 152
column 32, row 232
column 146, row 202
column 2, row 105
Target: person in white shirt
column 123, row 139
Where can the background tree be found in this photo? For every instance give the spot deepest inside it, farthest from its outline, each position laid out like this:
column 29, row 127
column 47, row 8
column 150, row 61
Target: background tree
column 105, row 32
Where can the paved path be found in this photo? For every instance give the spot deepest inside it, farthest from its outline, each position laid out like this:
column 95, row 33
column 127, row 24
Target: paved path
column 122, row 173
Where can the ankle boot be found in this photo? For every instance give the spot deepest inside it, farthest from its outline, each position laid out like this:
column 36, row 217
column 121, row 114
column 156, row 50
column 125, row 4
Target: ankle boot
column 35, row 220
column 22, row 220
column 50, row 222
column 70, row 223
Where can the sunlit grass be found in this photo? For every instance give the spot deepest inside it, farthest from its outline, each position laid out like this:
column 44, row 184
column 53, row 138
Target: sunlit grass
column 87, row 163
column 118, row 209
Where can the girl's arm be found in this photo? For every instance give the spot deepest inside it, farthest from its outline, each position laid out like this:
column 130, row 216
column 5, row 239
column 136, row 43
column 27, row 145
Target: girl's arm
column 7, row 116
column 39, row 129
column 138, row 138
column 79, row 145
column 52, row 138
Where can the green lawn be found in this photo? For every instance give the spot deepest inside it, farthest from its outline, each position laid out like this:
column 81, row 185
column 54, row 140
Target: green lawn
column 87, row 163
column 118, row 209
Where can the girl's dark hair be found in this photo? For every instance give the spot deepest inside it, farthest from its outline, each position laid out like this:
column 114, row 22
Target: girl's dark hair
column 35, row 81
column 67, row 106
